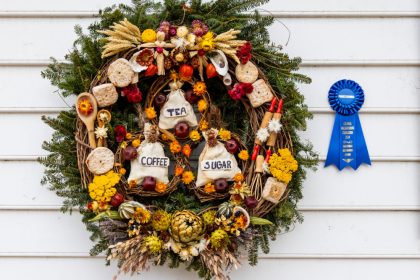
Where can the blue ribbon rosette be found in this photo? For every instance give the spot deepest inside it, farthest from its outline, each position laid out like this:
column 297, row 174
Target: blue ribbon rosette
column 347, row 144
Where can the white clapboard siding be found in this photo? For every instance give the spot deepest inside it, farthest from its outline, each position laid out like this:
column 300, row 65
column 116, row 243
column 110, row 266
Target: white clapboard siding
column 358, row 224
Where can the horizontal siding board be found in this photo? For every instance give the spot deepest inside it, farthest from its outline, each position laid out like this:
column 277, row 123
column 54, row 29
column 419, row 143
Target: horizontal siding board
column 342, row 233
column 385, row 87
column 92, row 269
column 399, row 140
column 378, row 186
column 353, row 35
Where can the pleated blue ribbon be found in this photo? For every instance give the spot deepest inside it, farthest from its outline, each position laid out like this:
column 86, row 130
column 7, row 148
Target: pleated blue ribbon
column 347, row 144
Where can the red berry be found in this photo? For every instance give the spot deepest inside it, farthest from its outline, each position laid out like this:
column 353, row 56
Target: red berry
column 117, row 199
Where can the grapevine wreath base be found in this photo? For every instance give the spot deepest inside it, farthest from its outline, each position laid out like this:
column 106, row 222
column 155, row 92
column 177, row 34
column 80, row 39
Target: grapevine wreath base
column 162, row 173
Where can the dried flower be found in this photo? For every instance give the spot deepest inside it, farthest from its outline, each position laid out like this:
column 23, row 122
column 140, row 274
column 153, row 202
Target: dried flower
column 209, row 217
column 243, row 155
column 128, row 136
column 202, row 105
column 224, row 134
column 195, row 135
column 199, row 28
column 244, row 52
column 282, row 165
column 263, row 134
column 135, row 143
column 200, row 88
column 239, row 177
column 179, row 170
column 102, row 187
column 164, row 27
column 145, row 57
column 132, row 92
column 148, row 36
column 120, row 132
column 204, row 125
column 141, row 215
column 175, row 147
column 240, row 189
column 151, row 244
column 150, row 113
column 161, row 220
column 122, row 171
column 186, row 150
column 101, row 132
column 219, row 239
column 209, row 188
column 85, row 107
column 274, row 126
column 207, row 43
column 161, row 187
column 132, row 184
column 187, row 177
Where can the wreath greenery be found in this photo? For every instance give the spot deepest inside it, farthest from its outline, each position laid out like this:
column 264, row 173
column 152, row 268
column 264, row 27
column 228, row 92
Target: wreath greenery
column 176, row 220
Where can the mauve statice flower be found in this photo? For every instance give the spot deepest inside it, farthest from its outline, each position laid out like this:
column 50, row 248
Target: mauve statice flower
column 199, row 28
column 165, row 27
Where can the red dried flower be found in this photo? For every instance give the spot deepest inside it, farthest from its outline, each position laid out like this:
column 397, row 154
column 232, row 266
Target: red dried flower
column 145, row 57
column 120, row 132
column 132, row 93
column 240, row 90
column 247, row 88
column 244, row 52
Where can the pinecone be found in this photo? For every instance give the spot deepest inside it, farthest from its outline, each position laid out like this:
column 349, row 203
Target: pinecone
column 186, row 226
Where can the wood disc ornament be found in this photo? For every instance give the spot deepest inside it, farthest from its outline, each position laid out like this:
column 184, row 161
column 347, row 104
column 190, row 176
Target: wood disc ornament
column 183, row 141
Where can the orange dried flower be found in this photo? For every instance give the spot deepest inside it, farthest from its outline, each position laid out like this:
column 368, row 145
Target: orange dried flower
column 202, row 105
column 150, row 113
column 128, row 136
column 122, row 171
column 243, row 155
column 187, row 177
column 132, row 184
column 238, row 178
column 179, row 170
column 236, row 199
column 200, row 88
column 164, row 137
column 161, row 187
column 85, row 107
column 209, row 188
column 186, row 150
column 204, row 125
column 175, row 147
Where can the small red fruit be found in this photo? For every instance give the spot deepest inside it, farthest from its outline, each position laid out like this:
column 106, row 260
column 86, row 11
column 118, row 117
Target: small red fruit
column 231, row 146
column 185, row 72
column 182, row 130
column 221, row 185
column 191, row 97
column 149, row 183
column 211, row 71
column 129, row 153
column 251, row 202
column 117, row 199
column 151, row 70
column 159, row 100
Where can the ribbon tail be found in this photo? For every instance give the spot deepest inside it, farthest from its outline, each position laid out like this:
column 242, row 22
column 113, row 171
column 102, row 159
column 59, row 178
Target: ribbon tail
column 361, row 151
column 333, row 156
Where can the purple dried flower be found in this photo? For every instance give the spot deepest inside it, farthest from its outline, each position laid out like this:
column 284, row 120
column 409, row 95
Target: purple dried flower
column 172, row 31
column 199, row 28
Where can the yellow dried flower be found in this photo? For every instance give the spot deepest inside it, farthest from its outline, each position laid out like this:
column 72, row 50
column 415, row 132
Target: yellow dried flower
column 243, row 155
column 209, row 188
column 152, row 244
column 161, row 220
column 282, row 165
column 161, row 187
column 150, row 113
column 209, row 217
column 132, row 184
column 102, row 188
column 141, row 215
column 195, row 135
column 122, row 171
column 200, row 88
column 175, row 147
column 204, row 125
column 202, row 105
column 128, row 136
column 207, row 43
column 187, row 177
column 148, row 36
column 224, row 134
column 239, row 177
column 136, row 143
column 219, row 239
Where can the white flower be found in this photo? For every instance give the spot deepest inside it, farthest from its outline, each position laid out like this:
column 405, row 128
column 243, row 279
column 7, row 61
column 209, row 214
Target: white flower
column 185, row 255
column 193, row 250
column 101, row 132
column 103, row 117
column 263, row 134
column 265, row 167
column 274, row 126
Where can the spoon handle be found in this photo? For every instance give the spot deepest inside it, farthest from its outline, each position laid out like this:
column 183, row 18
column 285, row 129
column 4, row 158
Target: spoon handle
column 91, row 134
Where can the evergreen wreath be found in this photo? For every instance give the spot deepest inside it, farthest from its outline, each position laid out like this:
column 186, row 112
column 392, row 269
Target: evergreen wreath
column 182, row 146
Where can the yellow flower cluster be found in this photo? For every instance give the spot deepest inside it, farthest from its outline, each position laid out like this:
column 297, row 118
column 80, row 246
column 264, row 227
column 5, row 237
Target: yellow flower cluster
column 187, row 177
column 195, row 135
column 102, row 188
column 199, row 88
column 243, row 155
column 203, row 125
column 224, row 134
column 282, row 165
column 207, row 42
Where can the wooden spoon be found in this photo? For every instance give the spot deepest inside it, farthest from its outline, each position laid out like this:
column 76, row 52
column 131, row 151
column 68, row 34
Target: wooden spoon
column 88, row 118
